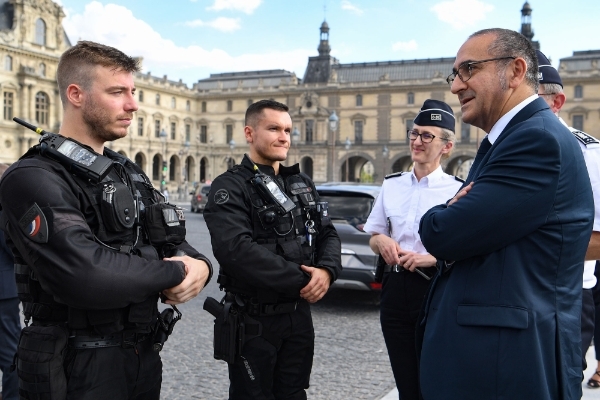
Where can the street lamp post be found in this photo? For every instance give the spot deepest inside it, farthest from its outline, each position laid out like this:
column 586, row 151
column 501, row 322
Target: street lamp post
column 183, row 152
column 385, row 152
column 231, row 147
column 347, row 145
column 333, row 125
column 163, row 137
column 295, row 141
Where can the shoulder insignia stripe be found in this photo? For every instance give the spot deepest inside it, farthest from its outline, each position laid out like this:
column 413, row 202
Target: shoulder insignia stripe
column 395, row 174
column 585, row 138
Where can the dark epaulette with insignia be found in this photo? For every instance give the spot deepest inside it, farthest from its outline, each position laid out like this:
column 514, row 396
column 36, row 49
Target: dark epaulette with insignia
column 458, row 179
column 395, row 174
column 585, row 138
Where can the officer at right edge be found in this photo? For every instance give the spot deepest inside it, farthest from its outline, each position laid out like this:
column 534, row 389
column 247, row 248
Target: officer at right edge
column 551, row 90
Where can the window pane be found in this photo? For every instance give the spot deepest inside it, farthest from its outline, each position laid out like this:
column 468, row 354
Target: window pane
column 309, row 123
column 359, row 100
column 203, row 133
column 465, row 132
column 578, row 122
column 229, row 129
column 140, row 126
column 358, row 132
column 41, row 108
column 8, row 105
column 40, row 32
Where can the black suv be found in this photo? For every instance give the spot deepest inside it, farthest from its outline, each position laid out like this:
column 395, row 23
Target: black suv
column 349, row 207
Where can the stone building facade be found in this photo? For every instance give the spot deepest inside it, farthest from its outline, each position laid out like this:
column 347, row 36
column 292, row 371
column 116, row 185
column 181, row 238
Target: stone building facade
column 198, row 131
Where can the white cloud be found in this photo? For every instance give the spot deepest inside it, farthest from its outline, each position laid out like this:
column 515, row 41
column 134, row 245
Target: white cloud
column 462, row 13
column 246, row 6
column 116, row 26
column 222, row 24
column 405, row 46
column 346, row 5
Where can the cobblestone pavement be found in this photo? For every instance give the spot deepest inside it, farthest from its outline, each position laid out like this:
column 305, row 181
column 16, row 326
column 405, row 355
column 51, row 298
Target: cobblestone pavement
column 350, row 360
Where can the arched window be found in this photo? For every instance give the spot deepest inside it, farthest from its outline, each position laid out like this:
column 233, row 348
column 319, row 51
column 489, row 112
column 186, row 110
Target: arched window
column 410, row 98
column 42, row 69
column 8, row 63
column 40, row 32
column 42, row 105
column 578, row 92
column 359, row 100
column 157, row 99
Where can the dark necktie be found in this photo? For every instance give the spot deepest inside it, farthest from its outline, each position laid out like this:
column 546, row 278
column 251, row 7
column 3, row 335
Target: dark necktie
column 483, row 149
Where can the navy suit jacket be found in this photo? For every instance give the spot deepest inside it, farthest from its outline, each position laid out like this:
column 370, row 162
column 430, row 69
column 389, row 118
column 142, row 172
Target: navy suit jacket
column 504, row 321
column 8, row 286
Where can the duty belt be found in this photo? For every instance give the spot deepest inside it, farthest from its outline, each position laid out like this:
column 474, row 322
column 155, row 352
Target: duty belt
column 256, row 309
column 125, row 340
column 393, row 268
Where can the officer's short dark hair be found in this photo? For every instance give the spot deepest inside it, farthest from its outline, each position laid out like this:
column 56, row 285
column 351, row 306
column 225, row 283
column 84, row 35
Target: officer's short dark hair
column 76, row 64
column 255, row 110
column 509, row 43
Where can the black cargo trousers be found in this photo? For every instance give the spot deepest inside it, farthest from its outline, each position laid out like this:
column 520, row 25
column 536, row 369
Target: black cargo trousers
column 135, row 373
column 267, row 370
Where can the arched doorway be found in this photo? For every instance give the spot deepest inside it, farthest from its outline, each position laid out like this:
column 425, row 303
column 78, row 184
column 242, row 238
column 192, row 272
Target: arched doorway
column 306, row 166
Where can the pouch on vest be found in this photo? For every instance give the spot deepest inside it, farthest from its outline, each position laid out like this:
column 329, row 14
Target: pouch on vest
column 163, row 223
column 40, row 357
column 118, row 207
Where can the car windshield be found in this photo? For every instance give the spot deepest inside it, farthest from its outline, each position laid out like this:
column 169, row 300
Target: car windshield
column 205, row 190
column 352, row 207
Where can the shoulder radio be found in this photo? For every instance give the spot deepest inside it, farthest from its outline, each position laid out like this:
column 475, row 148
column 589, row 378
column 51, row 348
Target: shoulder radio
column 71, row 154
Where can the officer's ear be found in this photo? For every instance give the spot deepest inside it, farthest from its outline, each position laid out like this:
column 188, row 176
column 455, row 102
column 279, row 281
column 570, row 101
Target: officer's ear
column 558, row 101
column 74, row 95
column 249, row 132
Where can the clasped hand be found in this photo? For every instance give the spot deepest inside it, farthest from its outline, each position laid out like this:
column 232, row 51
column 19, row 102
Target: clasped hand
column 318, row 284
column 196, row 274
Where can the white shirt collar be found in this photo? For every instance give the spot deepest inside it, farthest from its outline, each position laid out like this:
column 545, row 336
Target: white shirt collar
column 505, row 119
column 434, row 176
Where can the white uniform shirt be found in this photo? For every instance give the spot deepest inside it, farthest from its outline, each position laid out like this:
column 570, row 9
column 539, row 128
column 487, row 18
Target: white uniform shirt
column 591, row 154
column 404, row 200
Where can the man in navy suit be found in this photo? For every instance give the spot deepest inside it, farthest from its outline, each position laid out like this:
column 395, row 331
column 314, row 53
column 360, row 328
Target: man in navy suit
column 502, row 320
column 10, row 322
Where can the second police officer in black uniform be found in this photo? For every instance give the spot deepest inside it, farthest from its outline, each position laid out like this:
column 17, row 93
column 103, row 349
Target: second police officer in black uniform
column 278, row 252
column 95, row 244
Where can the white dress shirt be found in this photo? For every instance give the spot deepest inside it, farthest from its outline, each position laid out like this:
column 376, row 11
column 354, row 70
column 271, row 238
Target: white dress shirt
column 403, row 199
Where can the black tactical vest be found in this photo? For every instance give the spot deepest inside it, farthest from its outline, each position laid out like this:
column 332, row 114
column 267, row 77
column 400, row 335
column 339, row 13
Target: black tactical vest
column 114, row 228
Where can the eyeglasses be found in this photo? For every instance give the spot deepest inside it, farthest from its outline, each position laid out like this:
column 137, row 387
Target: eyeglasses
column 425, row 137
column 465, row 69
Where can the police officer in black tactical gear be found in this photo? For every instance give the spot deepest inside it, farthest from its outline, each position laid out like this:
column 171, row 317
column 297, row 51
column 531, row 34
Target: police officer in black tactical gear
column 95, row 245
column 278, row 252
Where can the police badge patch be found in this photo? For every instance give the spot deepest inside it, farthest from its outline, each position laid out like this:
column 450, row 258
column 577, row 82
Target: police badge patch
column 34, row 225
column 221, row 196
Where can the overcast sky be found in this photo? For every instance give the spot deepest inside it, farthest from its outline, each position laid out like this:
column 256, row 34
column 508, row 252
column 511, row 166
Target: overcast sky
column 190, row 39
